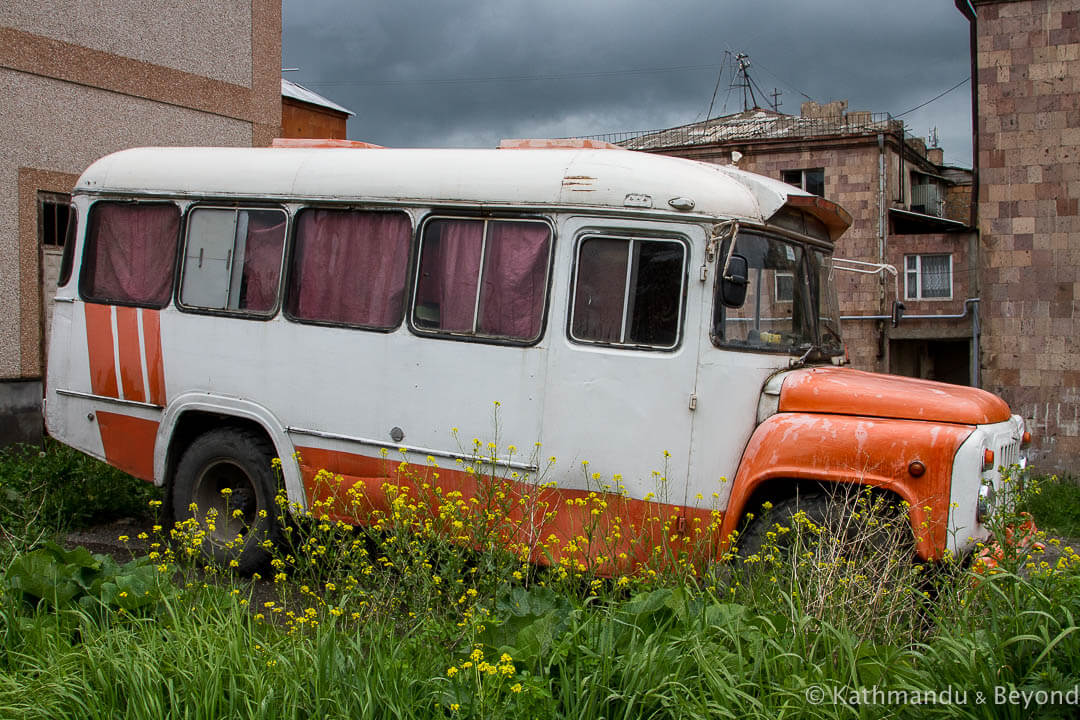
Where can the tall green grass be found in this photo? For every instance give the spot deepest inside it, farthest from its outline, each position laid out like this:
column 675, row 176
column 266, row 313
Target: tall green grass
column 812, row 620
column 47, row 489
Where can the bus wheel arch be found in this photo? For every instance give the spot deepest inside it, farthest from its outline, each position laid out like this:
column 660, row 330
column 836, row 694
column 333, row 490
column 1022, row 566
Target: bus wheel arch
column 189, row 417
column 777, row 499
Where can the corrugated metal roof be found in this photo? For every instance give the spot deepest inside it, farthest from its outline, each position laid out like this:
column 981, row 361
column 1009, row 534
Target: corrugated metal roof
column 757, row 124
column 290, row 89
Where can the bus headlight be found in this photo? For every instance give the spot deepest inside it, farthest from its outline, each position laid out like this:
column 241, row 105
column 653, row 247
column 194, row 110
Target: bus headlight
column 985, row 506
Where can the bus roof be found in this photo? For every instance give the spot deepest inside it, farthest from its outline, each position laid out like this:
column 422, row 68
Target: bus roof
column 589, row 178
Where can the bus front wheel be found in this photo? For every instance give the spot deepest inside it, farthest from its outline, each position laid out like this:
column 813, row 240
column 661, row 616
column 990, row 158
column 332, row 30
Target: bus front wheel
column 225, row 482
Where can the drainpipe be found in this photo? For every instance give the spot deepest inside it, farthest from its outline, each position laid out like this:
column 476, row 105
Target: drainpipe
column 883, row 337
column 975, row 330
column 967, row 9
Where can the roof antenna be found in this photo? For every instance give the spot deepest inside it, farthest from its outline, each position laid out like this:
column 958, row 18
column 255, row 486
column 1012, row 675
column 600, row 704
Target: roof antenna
column 744, row 82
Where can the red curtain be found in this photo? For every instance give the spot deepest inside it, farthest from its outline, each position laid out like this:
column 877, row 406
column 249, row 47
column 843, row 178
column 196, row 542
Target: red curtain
column 449, row 269
column 512, row 288
column 515, row 279
column 262, row 259
column 131, row 252
column 601, row 290
column 350, row 267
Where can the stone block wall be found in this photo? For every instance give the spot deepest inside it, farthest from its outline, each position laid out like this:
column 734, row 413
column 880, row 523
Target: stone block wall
column 1028, row 59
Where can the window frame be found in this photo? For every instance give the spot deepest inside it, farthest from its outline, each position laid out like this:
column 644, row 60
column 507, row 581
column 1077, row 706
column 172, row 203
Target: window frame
column 291, row 244
column 181, row 261
column 776, row 287
column 86, row 246
column 918, row 272
column 414, row 279
column 802, row 179
column 622, row 234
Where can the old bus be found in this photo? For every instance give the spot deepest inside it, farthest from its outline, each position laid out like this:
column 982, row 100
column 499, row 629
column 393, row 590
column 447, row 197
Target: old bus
column 221, row 307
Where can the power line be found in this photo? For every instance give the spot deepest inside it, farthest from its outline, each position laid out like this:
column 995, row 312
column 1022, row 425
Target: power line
column 936, row 97
column 514, row 78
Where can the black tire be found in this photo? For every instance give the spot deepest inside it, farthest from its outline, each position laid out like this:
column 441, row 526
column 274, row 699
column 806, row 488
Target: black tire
column 834, row 513
column 239, row 460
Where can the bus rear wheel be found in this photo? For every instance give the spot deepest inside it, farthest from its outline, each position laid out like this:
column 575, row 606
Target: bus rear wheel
column 225, row 482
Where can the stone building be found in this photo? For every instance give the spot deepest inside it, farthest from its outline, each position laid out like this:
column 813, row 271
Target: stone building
column 80, row 79
column 1026, row 102
column 909, row 211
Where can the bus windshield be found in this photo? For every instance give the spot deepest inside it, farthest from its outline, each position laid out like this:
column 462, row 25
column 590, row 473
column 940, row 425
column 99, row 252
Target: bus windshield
column 790, row 304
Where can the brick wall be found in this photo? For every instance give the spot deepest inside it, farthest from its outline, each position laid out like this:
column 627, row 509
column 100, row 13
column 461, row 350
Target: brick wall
column 1028, row 58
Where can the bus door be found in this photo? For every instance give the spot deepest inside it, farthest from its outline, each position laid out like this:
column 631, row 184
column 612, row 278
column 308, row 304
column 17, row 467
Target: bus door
column 623, row 356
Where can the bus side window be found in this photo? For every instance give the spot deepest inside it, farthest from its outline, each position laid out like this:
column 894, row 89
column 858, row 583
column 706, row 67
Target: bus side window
column 130, row 253
column 483, row 278
column 628, row 291
column 349, row 267
column 232, row 259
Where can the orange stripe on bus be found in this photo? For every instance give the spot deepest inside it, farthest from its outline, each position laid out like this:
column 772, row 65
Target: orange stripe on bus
column 558, row 525
column 129, row 443
column 127, row 336
column 155, row 366
column 99, row 345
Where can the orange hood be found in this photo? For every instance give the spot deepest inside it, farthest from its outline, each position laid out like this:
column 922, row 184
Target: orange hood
column 853, row 392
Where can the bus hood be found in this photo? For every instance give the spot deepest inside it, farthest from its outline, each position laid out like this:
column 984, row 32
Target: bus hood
column 844, row 391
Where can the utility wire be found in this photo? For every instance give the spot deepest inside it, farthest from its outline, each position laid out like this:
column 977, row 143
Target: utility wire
column 514, row 78
column 719, row 77
column 936, row 97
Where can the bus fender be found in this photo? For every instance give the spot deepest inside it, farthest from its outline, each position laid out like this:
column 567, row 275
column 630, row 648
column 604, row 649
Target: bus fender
column 232, row 407
column 865, row 451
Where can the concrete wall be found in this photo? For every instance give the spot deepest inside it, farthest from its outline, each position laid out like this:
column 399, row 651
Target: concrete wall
column 78, row 83
column 1028, row 57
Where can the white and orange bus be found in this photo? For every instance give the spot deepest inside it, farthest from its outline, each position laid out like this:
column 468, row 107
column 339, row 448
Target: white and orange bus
column 221, row 307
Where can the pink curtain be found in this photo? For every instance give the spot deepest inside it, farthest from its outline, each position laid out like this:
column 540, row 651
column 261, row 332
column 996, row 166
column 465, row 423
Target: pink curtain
column 262, row 259
column 601, row 289
column 514, row 280
column 449, row 266
column 131, row 252
column 512, row 287
column 350, row 267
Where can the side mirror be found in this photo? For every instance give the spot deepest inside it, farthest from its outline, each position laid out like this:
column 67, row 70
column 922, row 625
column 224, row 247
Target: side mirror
column 733, row 284
column 897, row 312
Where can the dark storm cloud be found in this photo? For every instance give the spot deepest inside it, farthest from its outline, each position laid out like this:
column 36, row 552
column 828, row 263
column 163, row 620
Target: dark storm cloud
column 446, row 73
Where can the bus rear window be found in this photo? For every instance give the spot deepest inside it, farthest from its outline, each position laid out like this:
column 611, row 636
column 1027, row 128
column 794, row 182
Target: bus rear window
column 349, row 267
column 130, row 253
column 484, row 278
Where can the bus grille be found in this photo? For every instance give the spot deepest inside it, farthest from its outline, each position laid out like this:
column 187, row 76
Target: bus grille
column 1009, row 453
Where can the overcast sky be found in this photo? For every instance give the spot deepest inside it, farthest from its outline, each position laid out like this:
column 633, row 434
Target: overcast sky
column 456, row 73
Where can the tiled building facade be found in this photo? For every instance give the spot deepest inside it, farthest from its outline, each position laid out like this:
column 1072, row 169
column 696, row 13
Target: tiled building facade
column 905, row 206
column 1026, row 55
column 80, row 80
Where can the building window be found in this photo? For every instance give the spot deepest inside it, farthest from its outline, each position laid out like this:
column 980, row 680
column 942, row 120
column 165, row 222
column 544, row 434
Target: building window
column 349, row 267
column 130, row 253
column 54, row 211
column 56, row 230
column 483, row 278
column 629, row 291
column 927, row 196
column 785, row 287
column 812, row 180
column 928, row 277
column 232, row 260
